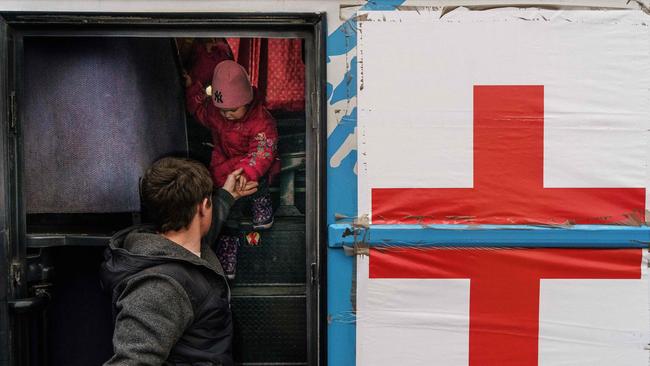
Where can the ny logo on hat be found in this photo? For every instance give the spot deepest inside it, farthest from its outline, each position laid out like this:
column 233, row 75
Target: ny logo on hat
column 218, row 96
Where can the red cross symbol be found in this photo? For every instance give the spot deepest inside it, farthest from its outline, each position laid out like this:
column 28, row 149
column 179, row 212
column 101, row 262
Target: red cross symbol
column 504, row 288
column 508, row 175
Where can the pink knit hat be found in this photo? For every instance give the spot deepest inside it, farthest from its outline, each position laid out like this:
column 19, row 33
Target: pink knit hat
column 230, row 85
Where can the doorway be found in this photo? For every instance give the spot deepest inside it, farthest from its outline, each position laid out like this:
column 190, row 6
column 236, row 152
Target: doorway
column 95, row 101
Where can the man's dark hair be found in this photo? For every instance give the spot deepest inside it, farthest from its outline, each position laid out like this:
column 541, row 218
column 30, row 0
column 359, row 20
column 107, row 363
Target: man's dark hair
column 172, row 188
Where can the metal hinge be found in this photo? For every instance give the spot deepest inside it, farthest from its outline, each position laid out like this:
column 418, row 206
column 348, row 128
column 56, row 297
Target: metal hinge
column 12, row 111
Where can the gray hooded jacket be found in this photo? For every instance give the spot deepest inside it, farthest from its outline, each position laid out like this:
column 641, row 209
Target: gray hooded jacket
column 170, row 306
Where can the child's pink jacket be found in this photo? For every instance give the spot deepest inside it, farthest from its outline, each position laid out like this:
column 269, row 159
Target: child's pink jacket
column 250, row 143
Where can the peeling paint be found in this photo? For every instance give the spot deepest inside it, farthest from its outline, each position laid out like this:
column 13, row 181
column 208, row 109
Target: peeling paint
column 634, row 219
column 362, row 249
column 362, row 221
column 641, row 5
column 339, row 217
column 342, row 40
column 418, row 8
column 342, row 139
column 348, row 86
column 348, row 145
column 329, row 90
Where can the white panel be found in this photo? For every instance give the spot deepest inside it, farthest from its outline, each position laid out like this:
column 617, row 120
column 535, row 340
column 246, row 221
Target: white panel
column 417, row 73
column 593, row 322
column 410, row 322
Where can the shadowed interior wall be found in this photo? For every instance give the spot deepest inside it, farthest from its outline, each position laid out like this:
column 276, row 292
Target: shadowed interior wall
column 95, row 113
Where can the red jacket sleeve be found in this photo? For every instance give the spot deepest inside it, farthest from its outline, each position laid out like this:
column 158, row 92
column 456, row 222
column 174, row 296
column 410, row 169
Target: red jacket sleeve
column 262, row 149
column 197, row 103
column 222, row 166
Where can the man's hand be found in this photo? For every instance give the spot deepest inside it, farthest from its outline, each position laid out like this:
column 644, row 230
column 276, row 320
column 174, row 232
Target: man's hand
column 235, row 188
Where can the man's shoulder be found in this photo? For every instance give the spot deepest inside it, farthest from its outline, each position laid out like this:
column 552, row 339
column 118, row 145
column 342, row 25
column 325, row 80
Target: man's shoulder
column 195, row 281
column 169, row 280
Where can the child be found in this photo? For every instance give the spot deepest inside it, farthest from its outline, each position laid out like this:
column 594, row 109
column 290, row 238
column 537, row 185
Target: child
column 244, row 136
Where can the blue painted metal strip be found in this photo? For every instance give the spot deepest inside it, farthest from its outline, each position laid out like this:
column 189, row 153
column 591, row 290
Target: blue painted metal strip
column 341, row 321
column 578, row 236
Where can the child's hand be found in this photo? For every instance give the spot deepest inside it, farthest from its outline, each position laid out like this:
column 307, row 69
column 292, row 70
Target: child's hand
column 248, row 189
column 188, row 79
column 242, row 182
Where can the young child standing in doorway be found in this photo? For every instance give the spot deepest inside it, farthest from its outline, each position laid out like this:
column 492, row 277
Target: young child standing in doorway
column 244, row 135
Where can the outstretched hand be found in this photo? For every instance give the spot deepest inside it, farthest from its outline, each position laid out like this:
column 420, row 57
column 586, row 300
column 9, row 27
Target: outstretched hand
column 238, row 186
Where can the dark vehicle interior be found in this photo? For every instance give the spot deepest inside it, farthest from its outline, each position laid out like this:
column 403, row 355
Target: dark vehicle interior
column 95, row 112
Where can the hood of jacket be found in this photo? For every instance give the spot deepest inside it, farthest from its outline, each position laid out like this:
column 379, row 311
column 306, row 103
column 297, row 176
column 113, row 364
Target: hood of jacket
column 137, row 248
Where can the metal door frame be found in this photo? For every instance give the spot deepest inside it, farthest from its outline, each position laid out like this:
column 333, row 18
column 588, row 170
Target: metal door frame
column 18, row 25
column 8, row 252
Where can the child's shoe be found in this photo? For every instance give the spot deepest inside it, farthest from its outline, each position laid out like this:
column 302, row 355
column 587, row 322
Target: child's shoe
column 262, row 212
column 227, row 253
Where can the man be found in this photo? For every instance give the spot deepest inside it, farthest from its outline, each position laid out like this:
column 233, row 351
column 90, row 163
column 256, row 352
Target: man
column 171, row 301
